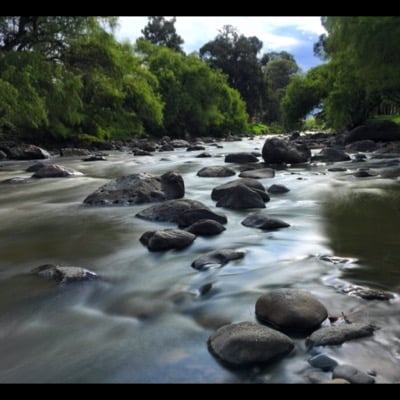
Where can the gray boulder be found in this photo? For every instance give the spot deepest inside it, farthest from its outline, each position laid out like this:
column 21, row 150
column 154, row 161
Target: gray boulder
column 167, row 239
column 331, row 154
column 276, row 151
column 383, row 131
column 247, row 343
column 290, row 310
column 193, row 215
column 179, row 143
column 182, row 211
column 258, row 173
column 262, row 221
column 195, row 147
column 64, row 274
column 138, row 189
column 361, row 145
column 216, row 171
column 26, row 152
column 241, row 197
column 55, row 171
column 241, row 158
column 323, row 362
column 338, row 334
column 226, row 188
column 205, row 227
column 216, row 259
column 352, row 375
column 278, row 189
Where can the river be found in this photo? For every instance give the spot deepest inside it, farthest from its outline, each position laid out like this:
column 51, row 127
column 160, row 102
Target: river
column 148, row 320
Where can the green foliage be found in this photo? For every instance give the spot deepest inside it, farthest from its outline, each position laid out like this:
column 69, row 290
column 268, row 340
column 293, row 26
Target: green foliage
column 259, row 129
column 160, row 31
column 236, row 56
column 198, row 100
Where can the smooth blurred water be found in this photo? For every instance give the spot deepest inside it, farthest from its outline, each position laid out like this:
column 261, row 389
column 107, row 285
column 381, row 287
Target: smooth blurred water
column 146, row 320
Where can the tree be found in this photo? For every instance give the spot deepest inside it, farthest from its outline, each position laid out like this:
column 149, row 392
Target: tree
column 161, row 32
column 236, row 55
column 198, row 100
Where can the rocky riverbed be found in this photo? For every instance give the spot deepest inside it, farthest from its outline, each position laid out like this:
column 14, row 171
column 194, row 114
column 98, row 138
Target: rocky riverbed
column 242, row 260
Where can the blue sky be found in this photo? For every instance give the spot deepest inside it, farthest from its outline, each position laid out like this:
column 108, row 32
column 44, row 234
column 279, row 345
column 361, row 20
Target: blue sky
column 295, row 35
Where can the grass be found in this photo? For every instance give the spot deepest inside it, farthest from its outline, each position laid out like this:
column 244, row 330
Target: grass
column 393, row 118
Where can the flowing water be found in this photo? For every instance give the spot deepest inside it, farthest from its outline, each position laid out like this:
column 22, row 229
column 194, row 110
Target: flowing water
column 148, row 319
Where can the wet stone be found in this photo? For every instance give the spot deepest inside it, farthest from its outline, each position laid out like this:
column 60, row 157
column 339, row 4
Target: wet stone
column 352, row 375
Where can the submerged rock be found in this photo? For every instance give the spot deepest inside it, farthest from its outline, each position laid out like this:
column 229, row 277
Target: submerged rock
column 247, row 343
column 258, row 173
column 277, row 189
column 216, row 258
column 290, row 310
column 338, row 334
column 138, row 189
column 167, row 239
column 64, row 274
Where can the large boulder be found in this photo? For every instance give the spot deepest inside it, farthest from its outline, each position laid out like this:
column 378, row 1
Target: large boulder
column 216, row 258
column 361, row 145
column 262, row 221
column 167, row 239
column 241, row 197
column 26, row 152
column 383, row 131
column 55, row 171
column 338, row 334
column 222, row 190
column 241, row 158
column 247, row 343
column 64, row 274
column 175, row 211
column 138, row 188
column 216, row 171
column 193, row 215
column 290, row 310
column 277, row 151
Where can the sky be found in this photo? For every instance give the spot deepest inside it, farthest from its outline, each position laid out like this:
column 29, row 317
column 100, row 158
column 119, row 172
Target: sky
column 296, row 35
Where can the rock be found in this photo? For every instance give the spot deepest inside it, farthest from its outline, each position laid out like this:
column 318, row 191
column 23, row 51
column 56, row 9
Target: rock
column 361, row 145
column 382, row 131
column 36, row 166
column 338, row 381
column 205, row 227
column 331, row 154
column 247, row 343
column 94, row 158
column 337, row 169
column 26, row 152
column 3, row 155
column 241, row 158
column 352, row 375
column 216, row 259
column 323, row 362
column 64, row 274
column 204, row 155
column 277, row 189
column 262, row 221
column 258, row 173
column 369, row 293
column 241, row 197
column 177, row 211
column 193, row 215
column 167, row 239
column 138, row 188
column 221, row 190
column 166, row 147
column 338, row 334
column 179, row 143
column 16, row 180
column 216, row 171
column 276, row 151
column 141, row 152
column 55, row 171
column 363, row 173
column 195, row 147
column 72, row 152
column 290, row 310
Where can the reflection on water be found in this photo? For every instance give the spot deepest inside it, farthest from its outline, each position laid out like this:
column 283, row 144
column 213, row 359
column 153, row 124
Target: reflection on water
column 149, row 318
column 365, row 225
